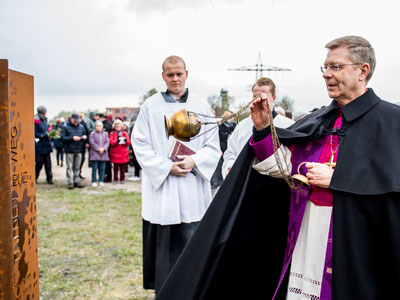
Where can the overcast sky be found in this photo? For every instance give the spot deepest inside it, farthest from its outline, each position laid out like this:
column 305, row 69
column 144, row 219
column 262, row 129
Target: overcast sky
column 92, row 54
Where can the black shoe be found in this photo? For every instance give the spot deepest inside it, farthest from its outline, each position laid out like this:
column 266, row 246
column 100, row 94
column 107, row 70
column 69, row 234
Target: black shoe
column 62, row 163
column 50, row 181
column 79, row 185
column 71, row 186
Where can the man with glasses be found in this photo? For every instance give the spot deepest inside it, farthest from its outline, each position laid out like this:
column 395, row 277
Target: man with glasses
column 334, row 237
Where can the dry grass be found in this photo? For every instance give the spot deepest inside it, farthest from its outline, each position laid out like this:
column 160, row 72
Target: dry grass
column 90, row 244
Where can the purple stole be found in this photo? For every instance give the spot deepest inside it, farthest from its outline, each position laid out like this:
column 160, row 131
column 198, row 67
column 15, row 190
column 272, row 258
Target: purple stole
column 310, row 153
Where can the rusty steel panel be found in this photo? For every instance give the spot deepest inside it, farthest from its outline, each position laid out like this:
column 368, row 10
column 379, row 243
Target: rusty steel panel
column 6, row 242
column 20, row 267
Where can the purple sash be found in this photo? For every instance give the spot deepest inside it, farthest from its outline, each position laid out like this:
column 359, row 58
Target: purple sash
column 309, row 152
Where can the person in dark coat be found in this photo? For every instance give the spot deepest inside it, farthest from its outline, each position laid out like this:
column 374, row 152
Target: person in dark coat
column 133, row 160
column 73, row 135
column 43, row 146
column 335, row 236
column 99, row 144
column 84, row 147
column 107, row 124
column 224, row 130
column 90, row 124
column 58, row 144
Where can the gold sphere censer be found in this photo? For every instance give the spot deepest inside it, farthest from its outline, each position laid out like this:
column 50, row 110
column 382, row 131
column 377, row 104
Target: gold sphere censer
column 182, row 125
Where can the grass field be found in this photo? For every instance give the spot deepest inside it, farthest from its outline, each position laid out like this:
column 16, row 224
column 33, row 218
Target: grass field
column 90, row 244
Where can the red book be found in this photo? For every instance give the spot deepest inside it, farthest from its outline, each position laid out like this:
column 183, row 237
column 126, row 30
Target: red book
column 179, row 149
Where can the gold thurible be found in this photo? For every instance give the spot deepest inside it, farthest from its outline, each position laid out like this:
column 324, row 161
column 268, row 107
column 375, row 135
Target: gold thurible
column 182, row 125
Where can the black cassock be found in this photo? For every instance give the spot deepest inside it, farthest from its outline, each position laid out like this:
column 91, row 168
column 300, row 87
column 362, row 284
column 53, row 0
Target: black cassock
column 238, row 249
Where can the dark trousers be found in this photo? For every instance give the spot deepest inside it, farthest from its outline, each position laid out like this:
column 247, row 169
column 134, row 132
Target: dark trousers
column 59, row 155
column 82, row 161
column 216, row 179
column 136, row 165
column 121, row 169
column 162, row 246
column 43, row 159
column 108, row 175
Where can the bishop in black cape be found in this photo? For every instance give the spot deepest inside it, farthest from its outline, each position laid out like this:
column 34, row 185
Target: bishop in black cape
column 238, row 249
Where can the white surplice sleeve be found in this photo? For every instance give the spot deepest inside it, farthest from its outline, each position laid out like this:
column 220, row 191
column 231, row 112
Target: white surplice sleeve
column 231, row 153
column 240, row 135
column 269, row 166
column 155, row 165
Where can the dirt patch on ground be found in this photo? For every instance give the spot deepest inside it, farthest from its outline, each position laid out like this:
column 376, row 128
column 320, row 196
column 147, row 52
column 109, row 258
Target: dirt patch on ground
column 59, row 178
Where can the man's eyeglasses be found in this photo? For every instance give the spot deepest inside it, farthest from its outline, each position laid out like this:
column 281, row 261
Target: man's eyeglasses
column 336, row 68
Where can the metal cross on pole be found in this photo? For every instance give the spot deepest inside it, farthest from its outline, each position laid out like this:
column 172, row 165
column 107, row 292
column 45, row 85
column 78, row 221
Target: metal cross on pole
column 259, row 68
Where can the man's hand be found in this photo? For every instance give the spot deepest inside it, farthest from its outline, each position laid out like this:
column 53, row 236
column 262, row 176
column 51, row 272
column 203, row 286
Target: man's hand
column 84, row 137
column 187, row 161
column 259, row 111
column 101, row 150
column 76, row 138
column 319, row 174
column 183, row 167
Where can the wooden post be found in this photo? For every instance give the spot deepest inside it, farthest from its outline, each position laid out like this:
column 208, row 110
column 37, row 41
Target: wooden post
column 19, row 277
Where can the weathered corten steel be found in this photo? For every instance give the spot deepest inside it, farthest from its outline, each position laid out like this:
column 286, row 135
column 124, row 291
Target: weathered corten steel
column 19, row 277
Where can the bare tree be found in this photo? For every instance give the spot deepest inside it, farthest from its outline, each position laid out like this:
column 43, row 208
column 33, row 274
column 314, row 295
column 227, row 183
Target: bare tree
column 147, row 95
column 286, row 103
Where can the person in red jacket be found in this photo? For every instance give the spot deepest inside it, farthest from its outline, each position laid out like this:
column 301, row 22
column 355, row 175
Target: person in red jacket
column 119, row 154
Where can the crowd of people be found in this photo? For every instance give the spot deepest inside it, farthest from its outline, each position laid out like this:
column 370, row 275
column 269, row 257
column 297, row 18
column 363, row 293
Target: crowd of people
column 105, row 141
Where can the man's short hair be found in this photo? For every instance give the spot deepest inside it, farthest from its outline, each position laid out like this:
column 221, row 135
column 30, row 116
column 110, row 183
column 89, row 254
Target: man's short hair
column 265, row 81
column 360, row 50
column 173, row 59
column 288, row 114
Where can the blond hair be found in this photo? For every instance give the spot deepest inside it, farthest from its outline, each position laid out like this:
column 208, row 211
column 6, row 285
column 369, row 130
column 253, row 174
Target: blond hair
column 360, row 51
column 226, row 113
column 265, row 81
column 173, row 59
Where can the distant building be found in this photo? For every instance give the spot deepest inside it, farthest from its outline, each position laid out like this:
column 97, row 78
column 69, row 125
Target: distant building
column 122, row 112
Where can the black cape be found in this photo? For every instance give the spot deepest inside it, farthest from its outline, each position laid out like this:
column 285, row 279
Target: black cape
column 238, row 249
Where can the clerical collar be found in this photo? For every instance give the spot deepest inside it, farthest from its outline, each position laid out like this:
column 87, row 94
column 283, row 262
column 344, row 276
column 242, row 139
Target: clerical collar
column 360, row 105
column 168, row 97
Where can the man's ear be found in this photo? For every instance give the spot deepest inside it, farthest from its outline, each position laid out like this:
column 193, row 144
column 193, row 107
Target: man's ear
column 163, row 75
column 365, row 68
